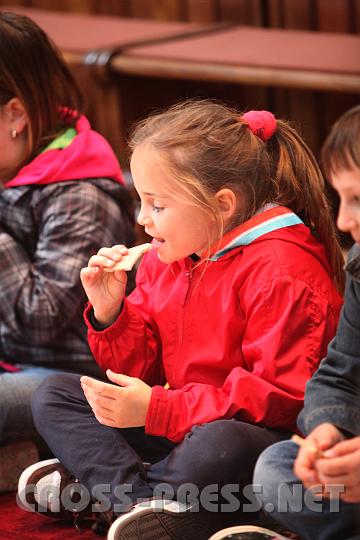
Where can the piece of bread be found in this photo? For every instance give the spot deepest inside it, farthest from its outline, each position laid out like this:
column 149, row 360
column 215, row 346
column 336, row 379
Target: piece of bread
column 128, row 261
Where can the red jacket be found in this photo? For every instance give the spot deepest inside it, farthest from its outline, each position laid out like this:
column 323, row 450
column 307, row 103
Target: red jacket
column 237, row 336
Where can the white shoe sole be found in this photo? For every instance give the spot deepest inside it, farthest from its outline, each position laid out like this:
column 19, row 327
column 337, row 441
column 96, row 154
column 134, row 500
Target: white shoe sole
column 245, row 529
column 172, row 508
column 23, row 482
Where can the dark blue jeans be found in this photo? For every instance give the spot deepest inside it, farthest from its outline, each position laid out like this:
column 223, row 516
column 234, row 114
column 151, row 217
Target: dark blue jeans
column 213, row 455
column 285, row 498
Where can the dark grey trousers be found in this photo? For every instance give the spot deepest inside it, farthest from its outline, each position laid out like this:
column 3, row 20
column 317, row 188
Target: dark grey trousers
column 212, row 466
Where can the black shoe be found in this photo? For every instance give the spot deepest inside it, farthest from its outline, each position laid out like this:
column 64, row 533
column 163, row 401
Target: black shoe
column 160, row 520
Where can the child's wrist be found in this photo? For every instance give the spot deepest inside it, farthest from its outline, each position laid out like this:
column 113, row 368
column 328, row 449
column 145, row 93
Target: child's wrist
column 106, row 319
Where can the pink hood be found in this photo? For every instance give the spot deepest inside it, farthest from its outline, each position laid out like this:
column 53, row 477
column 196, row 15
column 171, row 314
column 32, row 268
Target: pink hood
column 88, row 156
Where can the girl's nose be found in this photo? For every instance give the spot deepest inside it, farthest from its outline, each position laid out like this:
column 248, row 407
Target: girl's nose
column 346, row 222
column 142, row 218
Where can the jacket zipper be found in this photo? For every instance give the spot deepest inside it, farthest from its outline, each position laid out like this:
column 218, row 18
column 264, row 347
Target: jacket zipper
column 188, row 277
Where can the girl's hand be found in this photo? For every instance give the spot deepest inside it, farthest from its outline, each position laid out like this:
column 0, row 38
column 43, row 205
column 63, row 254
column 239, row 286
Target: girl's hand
column 341, row 466
column 122, row 406
column 105, row 290
column 322, row 437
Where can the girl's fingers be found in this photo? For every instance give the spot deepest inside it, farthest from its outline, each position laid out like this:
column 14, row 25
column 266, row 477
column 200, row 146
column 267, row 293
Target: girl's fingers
column 120, row 248
column 98, row 387
column 101, row 261
column 89, row 271
column 105, row 420
column 87, row 274
column 108, row 257
column 102, row 401
column 115, row 253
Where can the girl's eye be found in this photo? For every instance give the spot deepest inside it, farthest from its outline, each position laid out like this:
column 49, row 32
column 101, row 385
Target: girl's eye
column 157, row 209
column 356, row 199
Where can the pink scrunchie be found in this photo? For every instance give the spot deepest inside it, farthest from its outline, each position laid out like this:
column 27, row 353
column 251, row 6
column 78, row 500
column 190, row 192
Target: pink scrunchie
column 261, row 123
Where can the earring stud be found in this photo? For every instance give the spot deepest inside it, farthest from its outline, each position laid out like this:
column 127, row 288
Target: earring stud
column 13, row 133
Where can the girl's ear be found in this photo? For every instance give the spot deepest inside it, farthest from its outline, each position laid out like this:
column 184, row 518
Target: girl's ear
column 227, row 203
column 16, row 115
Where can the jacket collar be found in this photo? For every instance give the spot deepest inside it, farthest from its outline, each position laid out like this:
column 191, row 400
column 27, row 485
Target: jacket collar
column 77, row 154
column 270, row 218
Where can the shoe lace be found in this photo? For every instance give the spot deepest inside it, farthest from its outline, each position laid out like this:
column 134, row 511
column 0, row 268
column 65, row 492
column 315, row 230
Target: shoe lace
column 78, row 517
column 102, row 522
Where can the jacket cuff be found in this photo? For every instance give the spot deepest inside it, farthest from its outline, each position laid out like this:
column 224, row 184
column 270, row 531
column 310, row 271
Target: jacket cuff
column 94, row 322
column 110, row 332
column 345, row 419
column 158, row 414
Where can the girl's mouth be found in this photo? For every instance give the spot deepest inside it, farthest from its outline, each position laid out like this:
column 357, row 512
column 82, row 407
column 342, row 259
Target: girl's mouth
column 157, row 242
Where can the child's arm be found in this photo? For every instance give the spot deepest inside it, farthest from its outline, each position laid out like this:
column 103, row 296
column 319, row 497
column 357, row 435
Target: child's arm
column 332, row 394
column 130, row 345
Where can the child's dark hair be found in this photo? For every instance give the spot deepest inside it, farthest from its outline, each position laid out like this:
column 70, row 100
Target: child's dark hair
column 341, row 150
column 32, row 70
column 209, row 146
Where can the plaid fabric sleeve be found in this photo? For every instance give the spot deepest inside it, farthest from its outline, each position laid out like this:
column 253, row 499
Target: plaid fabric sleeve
column 42, row 295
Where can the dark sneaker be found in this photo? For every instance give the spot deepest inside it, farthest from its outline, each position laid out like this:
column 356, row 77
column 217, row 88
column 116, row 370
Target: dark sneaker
column 160, row 520
column 247, row 532
column 48, row 488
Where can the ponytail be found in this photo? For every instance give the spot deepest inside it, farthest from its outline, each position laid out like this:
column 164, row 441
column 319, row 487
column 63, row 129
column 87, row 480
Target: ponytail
column 299, row 185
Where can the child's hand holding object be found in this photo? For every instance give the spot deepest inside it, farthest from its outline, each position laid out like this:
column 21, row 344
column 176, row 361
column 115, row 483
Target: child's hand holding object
column 105, row 279
column 326, row 459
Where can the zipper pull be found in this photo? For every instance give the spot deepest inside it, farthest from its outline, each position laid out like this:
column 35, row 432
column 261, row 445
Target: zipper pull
column 188, row 275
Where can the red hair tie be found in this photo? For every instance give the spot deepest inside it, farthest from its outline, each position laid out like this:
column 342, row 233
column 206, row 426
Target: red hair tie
column 261, row 123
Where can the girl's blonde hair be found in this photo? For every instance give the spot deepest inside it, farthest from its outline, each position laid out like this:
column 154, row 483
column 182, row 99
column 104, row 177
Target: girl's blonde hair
column 209, row 146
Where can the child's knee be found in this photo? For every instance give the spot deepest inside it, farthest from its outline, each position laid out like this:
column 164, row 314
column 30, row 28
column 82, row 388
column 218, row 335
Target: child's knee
column 212, row 452
column 273, row 468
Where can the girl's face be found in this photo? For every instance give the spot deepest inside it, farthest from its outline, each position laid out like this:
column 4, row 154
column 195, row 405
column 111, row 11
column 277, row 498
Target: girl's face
column 178, row 228
column 7, row 154
column 347, row 184
column 13, row 150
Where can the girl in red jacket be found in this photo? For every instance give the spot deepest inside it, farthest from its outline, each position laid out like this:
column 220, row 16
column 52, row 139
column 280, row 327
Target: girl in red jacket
column 233, row 309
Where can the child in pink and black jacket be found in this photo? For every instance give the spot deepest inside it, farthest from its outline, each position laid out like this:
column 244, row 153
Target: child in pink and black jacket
column 62, row 197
